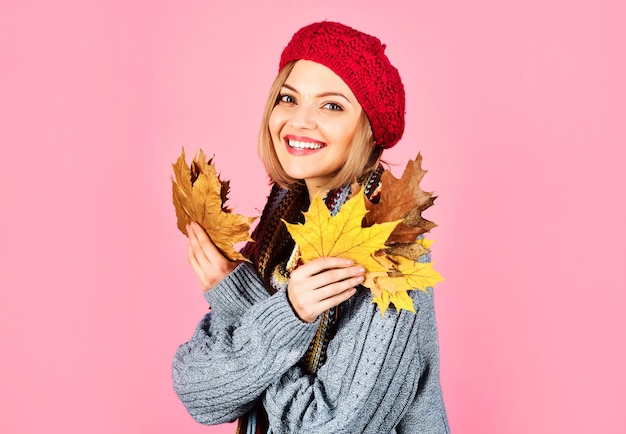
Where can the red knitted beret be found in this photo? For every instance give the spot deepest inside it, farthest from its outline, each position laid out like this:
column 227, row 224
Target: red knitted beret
column 360, row 60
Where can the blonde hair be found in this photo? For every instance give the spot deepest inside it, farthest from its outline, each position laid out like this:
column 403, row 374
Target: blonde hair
column 363, row 158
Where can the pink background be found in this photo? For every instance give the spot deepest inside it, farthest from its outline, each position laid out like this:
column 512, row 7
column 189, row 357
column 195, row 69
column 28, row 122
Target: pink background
column 519, row 110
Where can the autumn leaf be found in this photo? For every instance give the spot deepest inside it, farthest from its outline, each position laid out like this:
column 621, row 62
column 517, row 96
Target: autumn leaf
column 200, row 195
column 408, row 275
column 341, row 235
column 388, row 253
column 404, row 275
column 408, row 250
column 413, row 250
column 400, row 300
column 402, row 199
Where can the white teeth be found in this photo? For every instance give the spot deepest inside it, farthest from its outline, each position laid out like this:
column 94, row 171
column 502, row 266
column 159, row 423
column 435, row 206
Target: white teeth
column 304, row 145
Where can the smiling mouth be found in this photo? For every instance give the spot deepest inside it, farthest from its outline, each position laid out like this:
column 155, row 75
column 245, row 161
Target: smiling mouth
column 297, row 144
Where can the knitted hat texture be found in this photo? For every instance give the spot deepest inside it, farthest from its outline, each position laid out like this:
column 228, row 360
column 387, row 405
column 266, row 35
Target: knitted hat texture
column 360, row 60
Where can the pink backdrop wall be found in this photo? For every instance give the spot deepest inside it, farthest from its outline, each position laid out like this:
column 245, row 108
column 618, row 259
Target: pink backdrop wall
column 519, row 111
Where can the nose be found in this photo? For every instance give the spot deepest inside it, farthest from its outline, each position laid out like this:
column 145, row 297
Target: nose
column 303, row 117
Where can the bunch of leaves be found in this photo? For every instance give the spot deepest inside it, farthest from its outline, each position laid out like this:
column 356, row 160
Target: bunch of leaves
column 200, row 195
column 402, row 198
column 385, row 240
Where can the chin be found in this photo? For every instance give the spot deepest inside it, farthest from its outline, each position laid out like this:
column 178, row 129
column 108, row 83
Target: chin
column 298, row 174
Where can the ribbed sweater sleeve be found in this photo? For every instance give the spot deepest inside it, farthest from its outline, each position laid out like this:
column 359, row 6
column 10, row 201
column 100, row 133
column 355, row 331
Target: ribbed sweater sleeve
column 231, row 359
column 234, row 295
column 372, row 376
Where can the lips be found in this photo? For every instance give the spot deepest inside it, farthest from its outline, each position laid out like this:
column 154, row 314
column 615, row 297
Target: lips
column 303, row 145
column 297, row 144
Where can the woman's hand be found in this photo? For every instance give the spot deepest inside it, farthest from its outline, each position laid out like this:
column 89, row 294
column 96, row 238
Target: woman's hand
column 321, row 284
column 205, row 259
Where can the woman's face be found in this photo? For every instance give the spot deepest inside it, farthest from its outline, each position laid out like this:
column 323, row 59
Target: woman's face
column 313, row 123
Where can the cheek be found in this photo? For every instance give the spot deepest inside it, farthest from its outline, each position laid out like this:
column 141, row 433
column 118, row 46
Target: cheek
column 345, row 134
column 275, row 123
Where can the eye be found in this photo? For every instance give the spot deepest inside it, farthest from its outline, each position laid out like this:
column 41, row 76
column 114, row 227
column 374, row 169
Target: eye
column 333, row 106
column 286, row 99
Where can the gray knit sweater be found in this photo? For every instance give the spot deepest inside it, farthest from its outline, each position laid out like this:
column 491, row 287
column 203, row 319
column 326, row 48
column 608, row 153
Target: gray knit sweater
column 381, row 375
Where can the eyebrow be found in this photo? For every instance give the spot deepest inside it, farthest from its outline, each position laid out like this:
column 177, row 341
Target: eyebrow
column 321, row 95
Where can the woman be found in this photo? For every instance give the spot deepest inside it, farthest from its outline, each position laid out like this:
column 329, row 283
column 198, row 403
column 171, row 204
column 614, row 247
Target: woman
column 291, row 348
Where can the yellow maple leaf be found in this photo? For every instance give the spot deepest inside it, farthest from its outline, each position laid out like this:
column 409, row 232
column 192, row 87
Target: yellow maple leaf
column 383, row 295
column 342, row 235
column 406, row 275
column 200, row 195
column 409, row 275
column 400, row 299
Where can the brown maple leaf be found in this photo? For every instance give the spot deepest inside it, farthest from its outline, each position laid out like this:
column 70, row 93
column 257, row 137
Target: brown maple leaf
column 403, row 199
column 199, row 195
column 408, row 250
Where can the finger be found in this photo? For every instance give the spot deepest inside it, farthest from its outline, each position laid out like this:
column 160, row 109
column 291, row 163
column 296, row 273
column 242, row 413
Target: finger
column 328, row 276
column 336, row 300
column 193, row 261
column 330, row 291
column 318, row 265
column 197, row 249
column 204, row 266
column 304, row 296
column 211, row 252
column 191, row 254
column 311, row 311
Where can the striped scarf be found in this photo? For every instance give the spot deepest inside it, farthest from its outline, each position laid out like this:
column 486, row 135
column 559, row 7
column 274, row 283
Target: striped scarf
column 273, row 255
